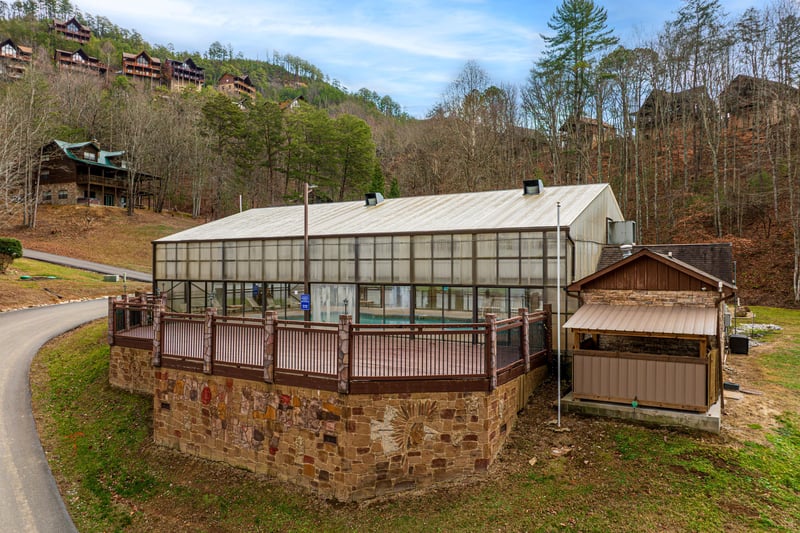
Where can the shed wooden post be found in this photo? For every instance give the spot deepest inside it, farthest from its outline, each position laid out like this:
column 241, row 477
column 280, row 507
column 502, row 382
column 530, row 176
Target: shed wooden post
column 491, row 349
column 270, row 331
column 524, row 341
column 343, row 356
column 158, row 331
column 111, row 320
column 208, row 340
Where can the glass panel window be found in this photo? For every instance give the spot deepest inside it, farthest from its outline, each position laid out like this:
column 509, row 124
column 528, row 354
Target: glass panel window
column 422, row 246
column 422, row 271
column 486, row 244
column 442, row 246
column 383, row 247
column 508, row 244
column 366, row 248
column 487, row 271
column 329, row 301
column 401, row 247
column 508, row 271
column 366, row 271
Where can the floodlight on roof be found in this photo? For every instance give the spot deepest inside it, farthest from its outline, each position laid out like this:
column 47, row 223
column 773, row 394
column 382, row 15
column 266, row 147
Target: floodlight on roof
column 373, row 198
column 530, row 187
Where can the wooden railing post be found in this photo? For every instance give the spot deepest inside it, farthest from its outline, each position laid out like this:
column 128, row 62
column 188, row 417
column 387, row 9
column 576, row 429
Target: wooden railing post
column 208, row 340
column 270, row 344
column 158, row 331
column 491, row 349
column 524, row 341
column 126, row 311
column 343, row 355
column 112, row 319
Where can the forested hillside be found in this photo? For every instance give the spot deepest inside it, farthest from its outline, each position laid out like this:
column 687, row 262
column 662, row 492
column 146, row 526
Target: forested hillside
column 697, row 128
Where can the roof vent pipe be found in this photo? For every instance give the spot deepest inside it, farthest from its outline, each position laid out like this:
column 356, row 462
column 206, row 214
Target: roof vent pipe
column 627, row 250
column 530, row 187
column 373, row 198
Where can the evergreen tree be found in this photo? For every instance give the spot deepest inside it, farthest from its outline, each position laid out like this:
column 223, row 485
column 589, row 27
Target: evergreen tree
column 580, row 36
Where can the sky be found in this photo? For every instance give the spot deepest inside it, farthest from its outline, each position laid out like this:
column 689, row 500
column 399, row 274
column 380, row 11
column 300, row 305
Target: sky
column 410, row 50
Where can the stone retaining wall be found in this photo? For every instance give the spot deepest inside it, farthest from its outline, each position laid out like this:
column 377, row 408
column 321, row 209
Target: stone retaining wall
column 347, row 447
column 130, row 369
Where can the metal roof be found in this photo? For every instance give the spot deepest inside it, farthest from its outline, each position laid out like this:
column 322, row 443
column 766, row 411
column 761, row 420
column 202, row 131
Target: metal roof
column 645, row 319
column 102, row 155
column 464, row 212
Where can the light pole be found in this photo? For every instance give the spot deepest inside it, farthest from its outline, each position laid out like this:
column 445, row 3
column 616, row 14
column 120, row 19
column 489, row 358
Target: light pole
column 306, row 188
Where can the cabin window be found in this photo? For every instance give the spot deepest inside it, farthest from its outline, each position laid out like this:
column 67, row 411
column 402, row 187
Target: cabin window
column 63, row 194
column 89, row 156
column 9, row 50
column 47, row 196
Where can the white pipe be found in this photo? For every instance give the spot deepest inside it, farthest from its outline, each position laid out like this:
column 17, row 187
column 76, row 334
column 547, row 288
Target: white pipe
column 558, row 303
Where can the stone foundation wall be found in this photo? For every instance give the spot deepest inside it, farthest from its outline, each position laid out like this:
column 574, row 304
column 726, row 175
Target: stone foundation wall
column 347, row 447
column 130, row 369
column 660, row 298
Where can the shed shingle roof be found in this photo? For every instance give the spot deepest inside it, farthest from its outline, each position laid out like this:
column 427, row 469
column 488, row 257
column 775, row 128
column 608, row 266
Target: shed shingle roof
column 715, row 259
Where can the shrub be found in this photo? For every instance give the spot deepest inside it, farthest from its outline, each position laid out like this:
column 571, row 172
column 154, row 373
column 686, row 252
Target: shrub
column 10, row 249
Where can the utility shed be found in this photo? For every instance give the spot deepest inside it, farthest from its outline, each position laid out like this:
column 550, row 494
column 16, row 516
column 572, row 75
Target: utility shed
column 649, row 332
column 445, row 258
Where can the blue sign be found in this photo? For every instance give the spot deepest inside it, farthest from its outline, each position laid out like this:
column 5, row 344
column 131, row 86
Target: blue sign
column 305, row 302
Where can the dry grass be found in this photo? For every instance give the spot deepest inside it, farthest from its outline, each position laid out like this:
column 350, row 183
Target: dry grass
column 96, row 233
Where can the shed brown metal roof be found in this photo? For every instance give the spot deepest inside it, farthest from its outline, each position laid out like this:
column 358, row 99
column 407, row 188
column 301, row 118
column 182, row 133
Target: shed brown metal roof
column 645, row 319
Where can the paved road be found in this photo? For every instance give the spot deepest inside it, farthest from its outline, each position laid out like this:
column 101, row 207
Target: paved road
column 86, row 265
column 29, row 498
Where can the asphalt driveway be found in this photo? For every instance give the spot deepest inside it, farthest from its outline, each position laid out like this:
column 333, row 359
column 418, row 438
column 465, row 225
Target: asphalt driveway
column 29, row 498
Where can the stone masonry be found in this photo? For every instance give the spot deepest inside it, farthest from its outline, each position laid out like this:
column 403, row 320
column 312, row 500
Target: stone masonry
column 349, row 447
column 131, row 369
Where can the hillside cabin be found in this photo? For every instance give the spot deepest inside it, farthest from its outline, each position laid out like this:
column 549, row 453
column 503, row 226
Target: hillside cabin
column 141, row 66
column 79, row 61
column 748, row 102
column 587, row 132
column 649, row 331
column 14, row 59
column 183, row 74
column 236, row 86
column 72, row 30
column 83, row 173
column 663, row 108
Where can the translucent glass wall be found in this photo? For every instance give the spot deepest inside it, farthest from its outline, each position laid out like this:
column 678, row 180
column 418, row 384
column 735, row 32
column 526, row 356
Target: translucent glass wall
column 380, row 279
column 485, row 259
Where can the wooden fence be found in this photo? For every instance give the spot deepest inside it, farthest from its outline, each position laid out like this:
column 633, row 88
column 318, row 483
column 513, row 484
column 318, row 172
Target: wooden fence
column 346, row 357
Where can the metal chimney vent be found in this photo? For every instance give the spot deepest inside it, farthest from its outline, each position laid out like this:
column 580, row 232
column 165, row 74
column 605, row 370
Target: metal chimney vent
column 530, row 187
column 373, row 198
column 627, row 250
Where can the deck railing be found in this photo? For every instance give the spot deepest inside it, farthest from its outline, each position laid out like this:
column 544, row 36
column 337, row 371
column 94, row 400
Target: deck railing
column 346, row 357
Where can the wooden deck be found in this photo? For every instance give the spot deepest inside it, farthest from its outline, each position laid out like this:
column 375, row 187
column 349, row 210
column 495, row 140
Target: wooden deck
column 336, row 356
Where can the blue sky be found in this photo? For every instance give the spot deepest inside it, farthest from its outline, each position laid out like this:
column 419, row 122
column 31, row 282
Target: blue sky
column 409, row 49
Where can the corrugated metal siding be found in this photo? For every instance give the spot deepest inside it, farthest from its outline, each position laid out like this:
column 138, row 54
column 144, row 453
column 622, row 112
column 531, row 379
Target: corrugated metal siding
column 492, row 210
column 665, row 320
column 651, row 382
column 588, row 231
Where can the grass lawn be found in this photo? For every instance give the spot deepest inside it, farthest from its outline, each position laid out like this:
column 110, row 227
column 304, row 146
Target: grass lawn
column 28, row 283
column 614, row 476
